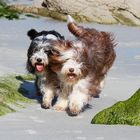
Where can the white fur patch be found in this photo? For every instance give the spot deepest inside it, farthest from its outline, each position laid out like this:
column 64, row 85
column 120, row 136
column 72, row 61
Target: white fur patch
column 68, row 54
column 62, row 102
column 48, row 95
column 102, row 83
column 78, row 44
column 82, row 84
column 40, row 54
column 79, row 95
column 42, row 84
column 43, row 40
column 79, row 99
column 69, row 19
column 39, row 37
column 40, row 42
column 52, row 37
column 71, row 64
column 48, row 91
column 47, row 37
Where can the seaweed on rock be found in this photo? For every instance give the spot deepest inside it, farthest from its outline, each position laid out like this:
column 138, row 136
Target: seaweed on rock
column 6, row 12
column 123, row 112
column 11, row 93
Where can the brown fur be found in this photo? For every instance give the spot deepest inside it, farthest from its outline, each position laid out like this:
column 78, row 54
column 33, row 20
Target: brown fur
column 97, row 54
column 58, row 47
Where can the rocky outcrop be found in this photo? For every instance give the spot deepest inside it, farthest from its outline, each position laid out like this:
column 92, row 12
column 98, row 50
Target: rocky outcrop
column 37, row 3
column 100, row 11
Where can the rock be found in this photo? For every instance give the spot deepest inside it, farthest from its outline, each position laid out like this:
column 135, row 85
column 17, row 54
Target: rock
column 37, row 3
column 29, row 9
column 123, row 112
column 105, row 11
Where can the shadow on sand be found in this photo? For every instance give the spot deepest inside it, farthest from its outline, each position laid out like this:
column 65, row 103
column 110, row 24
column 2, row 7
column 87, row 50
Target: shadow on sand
column 27, row 89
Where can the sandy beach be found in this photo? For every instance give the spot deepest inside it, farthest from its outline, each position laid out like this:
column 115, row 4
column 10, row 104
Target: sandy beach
column 35, row 123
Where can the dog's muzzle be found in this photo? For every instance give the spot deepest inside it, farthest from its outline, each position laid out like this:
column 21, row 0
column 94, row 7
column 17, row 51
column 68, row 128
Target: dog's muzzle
column 71, row 75
column 39, row 66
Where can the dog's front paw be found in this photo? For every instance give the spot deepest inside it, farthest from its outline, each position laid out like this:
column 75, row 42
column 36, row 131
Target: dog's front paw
column 46, row 105
column 61, row 104
column 59, row 108
column 74, row 110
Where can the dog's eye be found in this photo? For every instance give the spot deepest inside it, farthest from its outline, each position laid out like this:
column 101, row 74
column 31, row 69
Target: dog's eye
column 46, row 51
column 49, row 52
column 35, row 50
column 55, row 52
column 67, row 59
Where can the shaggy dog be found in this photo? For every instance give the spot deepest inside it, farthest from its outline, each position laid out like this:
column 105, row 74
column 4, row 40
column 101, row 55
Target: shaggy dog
column 37, row 63
column 81, row 66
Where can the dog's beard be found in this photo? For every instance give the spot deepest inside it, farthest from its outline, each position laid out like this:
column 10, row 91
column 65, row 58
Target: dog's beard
column 71, row 78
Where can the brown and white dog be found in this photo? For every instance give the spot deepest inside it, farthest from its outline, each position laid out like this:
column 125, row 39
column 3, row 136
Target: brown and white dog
column 81, row 65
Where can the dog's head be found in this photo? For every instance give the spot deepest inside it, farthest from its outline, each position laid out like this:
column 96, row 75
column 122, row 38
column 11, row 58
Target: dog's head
column 71, row 71
column 75, row 66
column 56, row 50
column 67, row 59
column 39, row 49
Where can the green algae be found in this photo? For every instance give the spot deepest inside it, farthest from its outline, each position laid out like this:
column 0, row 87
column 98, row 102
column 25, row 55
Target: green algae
column 4, row 108
column 6, row 12
column 2, row 3
column 12, row 93
column 123, row 112
column 26, row 77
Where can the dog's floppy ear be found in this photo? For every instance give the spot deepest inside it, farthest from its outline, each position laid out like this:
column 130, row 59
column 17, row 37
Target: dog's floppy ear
column 32, row 33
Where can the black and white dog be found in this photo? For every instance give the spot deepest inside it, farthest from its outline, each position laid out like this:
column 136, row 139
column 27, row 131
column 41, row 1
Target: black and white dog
column 37, row 63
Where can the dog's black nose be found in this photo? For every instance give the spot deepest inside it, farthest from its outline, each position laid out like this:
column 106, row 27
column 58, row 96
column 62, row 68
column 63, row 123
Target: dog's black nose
column 71, row 70
column 39, row 60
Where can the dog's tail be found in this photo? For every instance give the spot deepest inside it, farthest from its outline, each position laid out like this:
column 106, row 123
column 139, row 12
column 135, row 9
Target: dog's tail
column 74, row 28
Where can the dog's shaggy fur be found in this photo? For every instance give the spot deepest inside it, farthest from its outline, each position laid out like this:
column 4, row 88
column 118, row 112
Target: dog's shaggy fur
column 46, row 81
column 81, row 65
